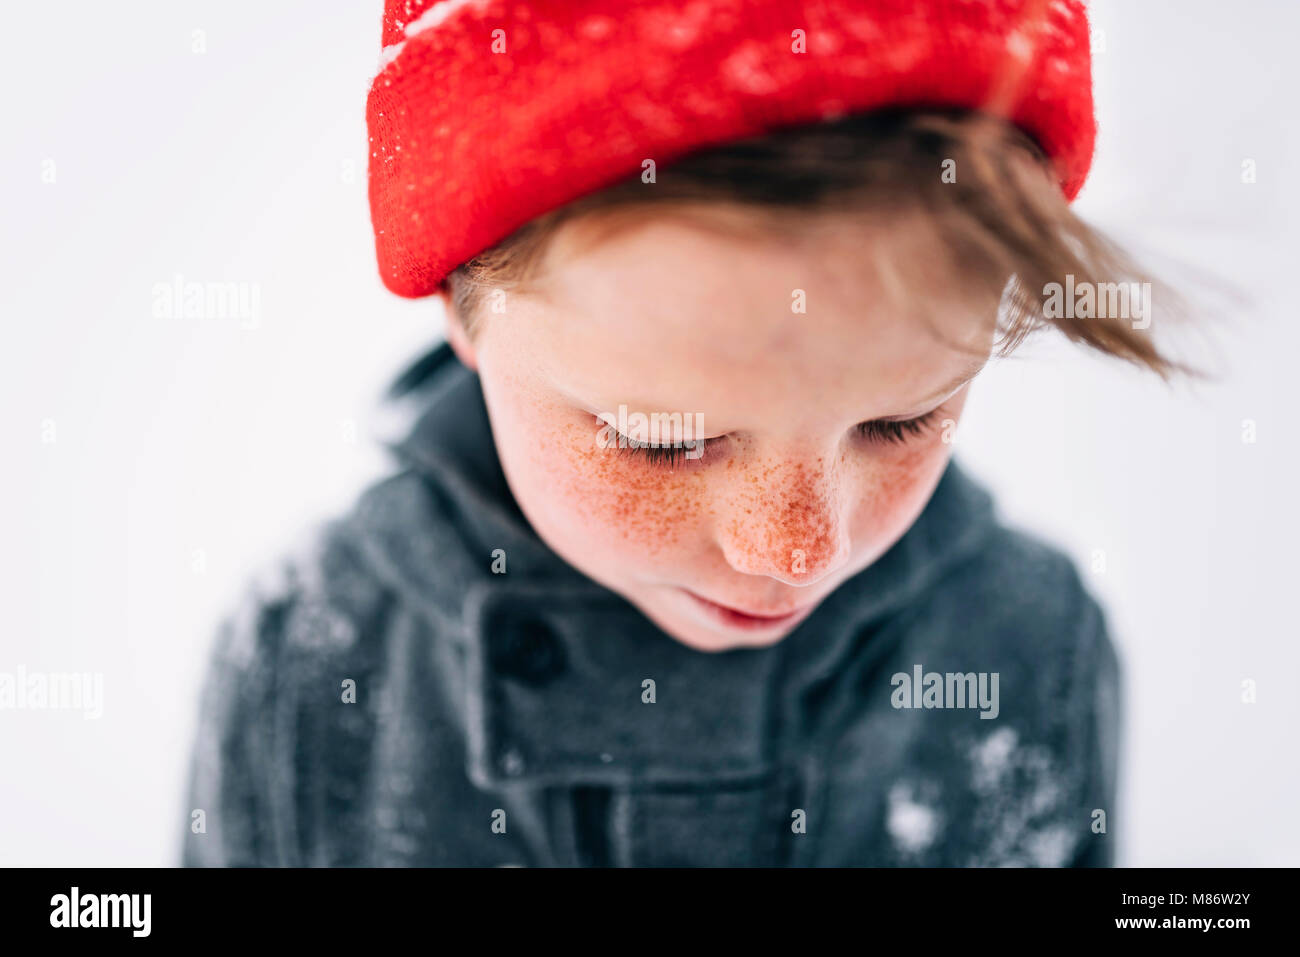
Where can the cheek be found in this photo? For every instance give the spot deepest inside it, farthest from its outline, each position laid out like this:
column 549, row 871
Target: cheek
column 898, row 489
column 606, row 500
column 903, row 481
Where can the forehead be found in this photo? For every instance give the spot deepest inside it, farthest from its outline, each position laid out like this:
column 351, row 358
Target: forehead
column 724, row 312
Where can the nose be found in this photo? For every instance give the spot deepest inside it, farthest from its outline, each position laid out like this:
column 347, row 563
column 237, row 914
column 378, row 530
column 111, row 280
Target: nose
column 786, row 520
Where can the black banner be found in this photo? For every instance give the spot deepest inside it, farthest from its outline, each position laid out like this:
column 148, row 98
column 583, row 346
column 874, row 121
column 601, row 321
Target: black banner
column 339, row 906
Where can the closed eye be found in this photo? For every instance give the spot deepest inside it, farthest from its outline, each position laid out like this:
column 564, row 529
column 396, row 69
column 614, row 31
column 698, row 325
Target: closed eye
column 669, row 456
column 898, row 431
column 666, row 455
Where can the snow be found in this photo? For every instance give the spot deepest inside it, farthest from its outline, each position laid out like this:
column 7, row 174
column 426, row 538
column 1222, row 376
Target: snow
column 912, row 824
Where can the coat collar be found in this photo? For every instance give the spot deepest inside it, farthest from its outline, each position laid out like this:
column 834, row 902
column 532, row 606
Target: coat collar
column 558, row 670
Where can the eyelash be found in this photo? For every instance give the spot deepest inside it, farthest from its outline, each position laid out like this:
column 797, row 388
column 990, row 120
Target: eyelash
column 897, row 431
column 663, row 456
column 894, row 432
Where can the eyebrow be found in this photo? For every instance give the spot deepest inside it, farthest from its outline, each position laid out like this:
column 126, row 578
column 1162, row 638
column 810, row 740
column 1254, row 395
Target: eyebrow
column 968, row 374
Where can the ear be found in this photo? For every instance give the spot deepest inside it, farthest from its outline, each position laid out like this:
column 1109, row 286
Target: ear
column 457, row 338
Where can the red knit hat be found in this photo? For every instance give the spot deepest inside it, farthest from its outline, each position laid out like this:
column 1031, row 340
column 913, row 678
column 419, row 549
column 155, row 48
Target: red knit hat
column 488, row 113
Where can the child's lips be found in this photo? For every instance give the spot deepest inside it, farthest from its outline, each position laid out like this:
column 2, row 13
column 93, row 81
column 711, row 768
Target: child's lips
column 748, row 619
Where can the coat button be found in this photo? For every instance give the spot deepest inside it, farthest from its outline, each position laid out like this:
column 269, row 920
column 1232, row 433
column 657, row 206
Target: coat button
column 528, row 651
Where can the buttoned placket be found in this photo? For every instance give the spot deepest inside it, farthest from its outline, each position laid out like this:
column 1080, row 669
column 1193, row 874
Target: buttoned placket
column 654, row 753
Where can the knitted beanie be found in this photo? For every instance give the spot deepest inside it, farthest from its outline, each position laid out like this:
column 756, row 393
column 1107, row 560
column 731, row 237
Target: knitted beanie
column 485, row 114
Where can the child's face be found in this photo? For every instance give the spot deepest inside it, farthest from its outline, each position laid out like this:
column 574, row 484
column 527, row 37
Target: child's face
column 788, row 497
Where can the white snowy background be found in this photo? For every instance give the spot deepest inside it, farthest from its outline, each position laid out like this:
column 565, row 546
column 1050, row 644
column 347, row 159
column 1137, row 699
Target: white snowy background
column 187, row 452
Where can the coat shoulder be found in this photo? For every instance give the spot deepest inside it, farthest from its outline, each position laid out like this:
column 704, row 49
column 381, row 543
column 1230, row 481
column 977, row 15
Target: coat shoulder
column 1021, row 595
column 304, row 628
column 1035, row 771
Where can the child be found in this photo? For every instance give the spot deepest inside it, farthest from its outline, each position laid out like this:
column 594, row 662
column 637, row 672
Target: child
column 677, row 567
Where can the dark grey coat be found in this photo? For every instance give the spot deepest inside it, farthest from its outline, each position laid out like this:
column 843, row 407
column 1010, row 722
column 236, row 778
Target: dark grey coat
column 506, row 718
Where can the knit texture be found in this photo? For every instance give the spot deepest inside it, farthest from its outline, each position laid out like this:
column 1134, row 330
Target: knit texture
column 487, row 113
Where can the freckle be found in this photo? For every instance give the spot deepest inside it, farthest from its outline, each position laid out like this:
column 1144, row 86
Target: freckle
column 787, row 513
column 645, row 506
